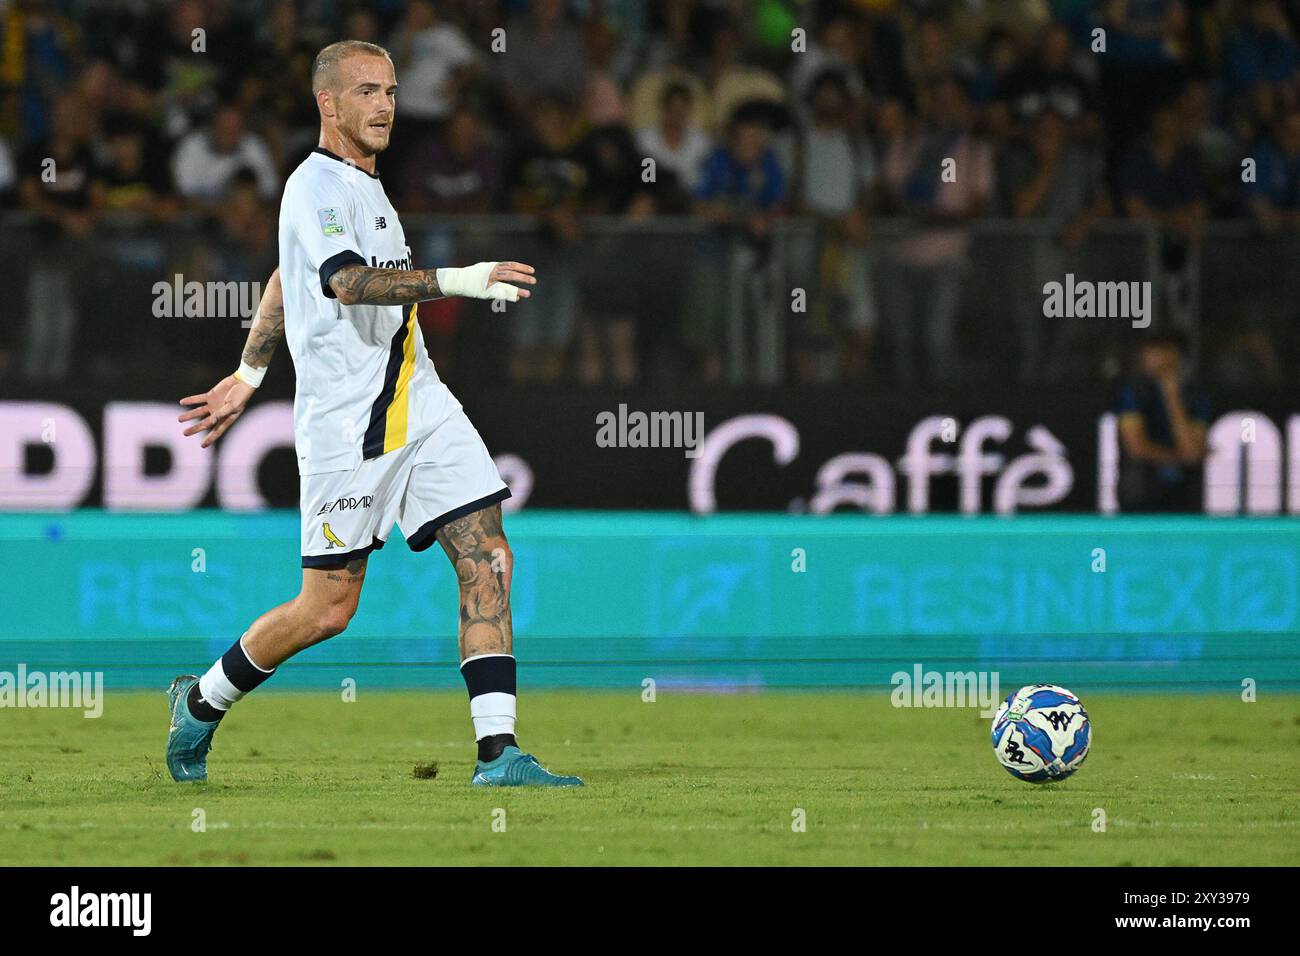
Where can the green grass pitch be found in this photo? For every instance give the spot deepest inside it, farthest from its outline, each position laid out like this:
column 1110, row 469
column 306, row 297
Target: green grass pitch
column 305, row 778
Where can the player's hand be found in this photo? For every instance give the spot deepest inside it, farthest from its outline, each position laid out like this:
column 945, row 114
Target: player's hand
column 216, row 410
column 514, row 273
column 487, row 280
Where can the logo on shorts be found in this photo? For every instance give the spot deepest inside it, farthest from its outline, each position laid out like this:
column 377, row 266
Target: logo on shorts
column 332, row 538
column 346, row 504
column 329, row 221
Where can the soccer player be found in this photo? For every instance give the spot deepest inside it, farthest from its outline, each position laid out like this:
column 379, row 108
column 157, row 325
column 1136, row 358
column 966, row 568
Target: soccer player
column 379, row 438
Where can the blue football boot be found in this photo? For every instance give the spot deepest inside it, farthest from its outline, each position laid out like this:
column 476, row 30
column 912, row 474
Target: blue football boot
column 514, row 768
column 190, row 739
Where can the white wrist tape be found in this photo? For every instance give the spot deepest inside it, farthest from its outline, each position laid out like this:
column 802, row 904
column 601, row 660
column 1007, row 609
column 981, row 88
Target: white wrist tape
column 249, row 375
column 472, row 281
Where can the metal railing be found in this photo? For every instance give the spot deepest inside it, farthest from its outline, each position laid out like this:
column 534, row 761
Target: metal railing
column 766, row 310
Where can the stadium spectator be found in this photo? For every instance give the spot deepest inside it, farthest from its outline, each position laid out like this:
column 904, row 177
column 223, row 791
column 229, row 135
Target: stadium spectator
column 673, row 42
column 544, row 53
column 545, row 175
column 835, row 178
column 187, row 55
column 991, row 90
column 110, row 96
column 1144, row 65
column 1162, row 427
column 39, row 59
column 435, row 62
column 137, row 193
column 837, row 46
column 1058, row 180
column 134, row 179
column 1160, row 182
column 1160, row 179
column 742, row 182
column 247, row 224
column 237, row 243
column 933, row 57
column 1274, row 197
column 456, row 171
column 60, row 186
column 1050, row 80
column 883, row 60
column 1260, row 59
column 938, row 171
column 733, row 84
column 1145, row 31
column 678, row 147
column 276, row 94
column 646, row 99
column 602, row 100
column 612, row 301
column 742, row 189
column 1217, row 151
column 1054, row 176
column 207, row 160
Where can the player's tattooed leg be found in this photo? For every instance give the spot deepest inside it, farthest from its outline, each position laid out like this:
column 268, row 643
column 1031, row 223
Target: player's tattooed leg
column 353, row 573
column 477, row 547
column 321, row 610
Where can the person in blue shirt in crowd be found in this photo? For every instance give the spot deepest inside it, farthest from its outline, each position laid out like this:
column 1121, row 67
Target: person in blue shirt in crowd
column 1273, row 198
column 742, row 182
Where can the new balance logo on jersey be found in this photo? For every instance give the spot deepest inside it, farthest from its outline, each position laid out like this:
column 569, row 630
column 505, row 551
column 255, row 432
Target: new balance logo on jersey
column 332, row 538
column 381, row 222
column 346, row 504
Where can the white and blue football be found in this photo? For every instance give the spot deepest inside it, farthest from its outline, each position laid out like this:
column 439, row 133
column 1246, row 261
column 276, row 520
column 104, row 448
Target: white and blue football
column 1041, row 732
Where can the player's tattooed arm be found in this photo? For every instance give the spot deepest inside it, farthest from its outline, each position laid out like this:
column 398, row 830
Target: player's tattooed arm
column 356, row 284
column 214, row 411
column 478, row 551
column 268, row 327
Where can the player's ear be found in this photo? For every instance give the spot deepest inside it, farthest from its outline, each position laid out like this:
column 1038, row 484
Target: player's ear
column 325, row 102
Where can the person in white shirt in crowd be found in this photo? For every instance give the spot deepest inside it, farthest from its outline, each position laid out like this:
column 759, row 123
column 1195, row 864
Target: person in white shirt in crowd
column 437, row 61
column 836, row 172
column 207, row 160
column 678, row 147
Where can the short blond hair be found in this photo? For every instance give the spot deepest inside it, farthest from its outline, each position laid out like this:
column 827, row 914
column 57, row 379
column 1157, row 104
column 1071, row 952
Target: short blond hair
column 323, row 67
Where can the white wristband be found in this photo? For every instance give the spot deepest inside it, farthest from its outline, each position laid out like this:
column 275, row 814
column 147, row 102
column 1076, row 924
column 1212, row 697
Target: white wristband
column 472, row 282
column 249, row 375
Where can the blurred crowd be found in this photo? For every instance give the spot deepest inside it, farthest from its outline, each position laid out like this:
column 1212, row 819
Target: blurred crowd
column 842, row 112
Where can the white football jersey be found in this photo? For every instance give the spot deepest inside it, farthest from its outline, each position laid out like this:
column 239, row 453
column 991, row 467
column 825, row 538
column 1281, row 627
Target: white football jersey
column 366, row 385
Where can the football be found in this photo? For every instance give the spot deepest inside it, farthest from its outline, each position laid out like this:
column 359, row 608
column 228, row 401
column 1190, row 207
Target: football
column 1041, row 733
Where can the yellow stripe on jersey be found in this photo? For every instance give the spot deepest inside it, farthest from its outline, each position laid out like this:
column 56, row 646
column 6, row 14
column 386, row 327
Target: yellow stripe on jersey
column 398, row 411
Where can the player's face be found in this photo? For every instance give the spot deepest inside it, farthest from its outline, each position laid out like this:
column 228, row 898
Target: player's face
column 367, row 101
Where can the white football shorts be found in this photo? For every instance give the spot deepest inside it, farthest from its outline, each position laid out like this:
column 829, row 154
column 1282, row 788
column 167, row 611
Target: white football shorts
column 421, row 486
